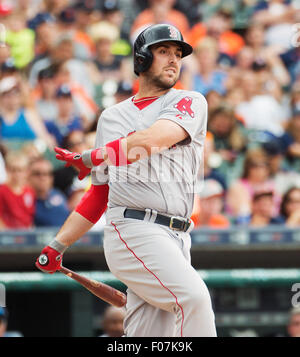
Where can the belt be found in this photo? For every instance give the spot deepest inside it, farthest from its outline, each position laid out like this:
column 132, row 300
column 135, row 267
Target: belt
column 175, row 223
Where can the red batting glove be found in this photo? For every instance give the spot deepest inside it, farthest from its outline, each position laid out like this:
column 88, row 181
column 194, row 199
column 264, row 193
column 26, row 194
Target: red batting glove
column 73, row 158
column 49, row 260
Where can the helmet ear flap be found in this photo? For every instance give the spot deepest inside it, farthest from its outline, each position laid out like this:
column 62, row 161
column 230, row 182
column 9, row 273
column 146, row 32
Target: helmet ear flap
column 143, row 60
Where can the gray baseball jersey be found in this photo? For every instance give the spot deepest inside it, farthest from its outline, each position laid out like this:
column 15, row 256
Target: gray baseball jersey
column 166, row 181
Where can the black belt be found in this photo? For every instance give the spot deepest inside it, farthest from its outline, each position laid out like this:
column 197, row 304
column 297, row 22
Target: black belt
column 175, row 223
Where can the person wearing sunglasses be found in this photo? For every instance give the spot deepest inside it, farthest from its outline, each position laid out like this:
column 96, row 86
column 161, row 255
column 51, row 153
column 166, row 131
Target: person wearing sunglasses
column 51, row 204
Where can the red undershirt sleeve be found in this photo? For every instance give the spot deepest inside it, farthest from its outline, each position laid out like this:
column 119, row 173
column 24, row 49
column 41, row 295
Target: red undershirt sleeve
column 94, row 203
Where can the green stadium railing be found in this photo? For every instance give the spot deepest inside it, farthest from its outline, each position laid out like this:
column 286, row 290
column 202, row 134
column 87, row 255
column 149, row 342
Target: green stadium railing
column 213, row 278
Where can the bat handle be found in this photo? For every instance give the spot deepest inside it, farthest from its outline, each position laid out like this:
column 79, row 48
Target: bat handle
column 65, row 271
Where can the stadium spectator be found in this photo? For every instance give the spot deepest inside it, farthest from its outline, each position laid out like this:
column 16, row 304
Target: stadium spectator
column 51, row 208
column 62, row 55
column 291, row 60
column 74, row 21
column 244, row 60
column 55, row 7
column 4, row 323
column 46, row 33
column 265, row 56
column 260, row 111
column 84, row 103
column 5, row 54
column 206, row 76
column 66, row 121
column 44, row 94
column 17, row 199
column 214, row 100
column 262, row 210
column 65, row 176
column 211, row 161
column 20, row 39
column 229, row 133
column 230, row 139
column 107, row 65
column 112, row 13
column 28, row 8
column 112, row 322
column 255, row 177
column 160, row 11
column 277, row 17
column 293, row 327
column 219, row 27
column 18, row 123
column 290, row 207
column 6, row 8
column 291, row 140
column 124, row 91
column 234, row 97
column 284, row 178
column 209, row 206
column 8, row 68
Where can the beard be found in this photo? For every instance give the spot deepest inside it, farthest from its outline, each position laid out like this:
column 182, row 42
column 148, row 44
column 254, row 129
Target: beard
column 160, row 83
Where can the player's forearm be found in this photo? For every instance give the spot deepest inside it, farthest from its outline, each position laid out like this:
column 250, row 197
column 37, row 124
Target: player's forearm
column 162, row 135
column 73, row 229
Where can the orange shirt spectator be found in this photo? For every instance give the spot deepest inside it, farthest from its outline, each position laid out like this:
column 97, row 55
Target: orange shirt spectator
column 230, row 42
column 160, row 11
column 208, row 206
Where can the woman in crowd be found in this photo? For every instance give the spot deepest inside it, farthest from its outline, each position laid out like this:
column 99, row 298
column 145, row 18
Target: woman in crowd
column 290, row 207
column 206, row 76
column 18, row 122
column 255, row 177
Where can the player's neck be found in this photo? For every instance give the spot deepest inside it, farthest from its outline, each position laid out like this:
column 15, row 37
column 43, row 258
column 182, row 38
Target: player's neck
column 147, row 90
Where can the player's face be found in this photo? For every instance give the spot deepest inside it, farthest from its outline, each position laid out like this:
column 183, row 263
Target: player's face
column 165, row 68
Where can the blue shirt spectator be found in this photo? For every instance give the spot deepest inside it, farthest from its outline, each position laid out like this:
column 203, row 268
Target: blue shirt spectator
column 51, row 211
column 215, row 83
column 51, row 208
column 66, row 120
column 60, row 130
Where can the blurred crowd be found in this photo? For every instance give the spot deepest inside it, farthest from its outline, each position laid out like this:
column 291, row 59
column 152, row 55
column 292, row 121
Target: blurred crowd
column 64, row 61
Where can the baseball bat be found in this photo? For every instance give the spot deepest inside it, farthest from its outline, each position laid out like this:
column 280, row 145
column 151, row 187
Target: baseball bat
column 103, row 291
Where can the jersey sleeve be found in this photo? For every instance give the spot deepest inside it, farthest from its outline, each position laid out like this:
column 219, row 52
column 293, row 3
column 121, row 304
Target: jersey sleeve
column 187, row 109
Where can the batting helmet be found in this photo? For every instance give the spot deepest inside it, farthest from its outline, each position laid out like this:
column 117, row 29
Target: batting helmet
column 155, row 34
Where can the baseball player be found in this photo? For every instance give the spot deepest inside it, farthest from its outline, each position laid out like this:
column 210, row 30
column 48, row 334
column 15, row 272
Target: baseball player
column 148, row 151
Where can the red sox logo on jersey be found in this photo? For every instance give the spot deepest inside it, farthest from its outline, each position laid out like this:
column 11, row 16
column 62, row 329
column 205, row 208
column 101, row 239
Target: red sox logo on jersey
column 184, row 106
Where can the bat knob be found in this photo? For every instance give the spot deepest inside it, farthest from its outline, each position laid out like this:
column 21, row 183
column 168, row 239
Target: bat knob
column 43, row 259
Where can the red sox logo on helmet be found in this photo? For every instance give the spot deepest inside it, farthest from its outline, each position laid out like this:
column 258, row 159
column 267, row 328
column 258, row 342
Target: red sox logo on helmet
column 184, row 106
column 173, row 32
